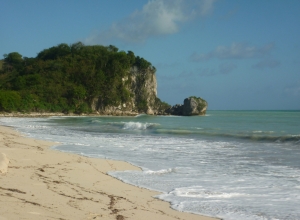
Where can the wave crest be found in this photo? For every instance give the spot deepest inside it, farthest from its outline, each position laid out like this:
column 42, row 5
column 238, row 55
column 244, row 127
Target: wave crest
column 137, row 125
column 201, row 193
column 160, row 172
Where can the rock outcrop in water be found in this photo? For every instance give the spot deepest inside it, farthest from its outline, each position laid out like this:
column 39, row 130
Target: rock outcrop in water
column 194, row 106
column 191, row 106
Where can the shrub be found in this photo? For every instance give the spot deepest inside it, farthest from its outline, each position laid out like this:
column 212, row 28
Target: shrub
column 9, row 101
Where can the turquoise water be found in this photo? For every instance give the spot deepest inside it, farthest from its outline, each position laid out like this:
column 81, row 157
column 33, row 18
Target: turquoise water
column 229, row 164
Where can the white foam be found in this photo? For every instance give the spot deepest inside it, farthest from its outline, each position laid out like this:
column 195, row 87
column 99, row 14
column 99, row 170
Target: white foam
column 80, row 144
column 262, row 132
column 137, row 125
column 199, row 192
column 140, row 115
column 36, row 126
column 160, row 172
column 296, row 135
column 96, row 121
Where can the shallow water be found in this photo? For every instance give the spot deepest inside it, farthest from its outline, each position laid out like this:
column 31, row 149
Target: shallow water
column 229, row 164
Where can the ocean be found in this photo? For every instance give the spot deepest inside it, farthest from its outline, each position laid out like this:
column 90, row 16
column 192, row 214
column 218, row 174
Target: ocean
column 235, row 165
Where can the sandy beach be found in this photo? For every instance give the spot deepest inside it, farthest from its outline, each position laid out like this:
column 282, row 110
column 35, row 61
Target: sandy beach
column 37, row 182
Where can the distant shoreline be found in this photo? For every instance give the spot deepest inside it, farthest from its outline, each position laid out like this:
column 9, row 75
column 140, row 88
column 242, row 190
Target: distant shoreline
column 50, row 114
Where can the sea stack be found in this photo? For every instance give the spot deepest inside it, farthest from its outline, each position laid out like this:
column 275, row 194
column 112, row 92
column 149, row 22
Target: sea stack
column 191, row 106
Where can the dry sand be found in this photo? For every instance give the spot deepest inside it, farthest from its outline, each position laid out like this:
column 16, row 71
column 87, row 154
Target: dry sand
column 39, row 183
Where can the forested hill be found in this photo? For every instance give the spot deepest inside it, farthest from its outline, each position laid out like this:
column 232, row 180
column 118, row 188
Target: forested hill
column 72, row 78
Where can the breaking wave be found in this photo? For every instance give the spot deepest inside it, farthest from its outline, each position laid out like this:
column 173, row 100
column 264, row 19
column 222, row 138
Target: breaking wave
column 160, row 172
column 138, row 125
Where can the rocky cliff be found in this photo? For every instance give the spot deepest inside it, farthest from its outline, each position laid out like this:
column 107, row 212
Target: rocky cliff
column 142, row 88
column 191, row 106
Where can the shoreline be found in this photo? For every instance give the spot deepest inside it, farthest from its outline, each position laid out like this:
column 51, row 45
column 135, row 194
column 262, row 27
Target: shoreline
column 44, row 183
column 53, row 114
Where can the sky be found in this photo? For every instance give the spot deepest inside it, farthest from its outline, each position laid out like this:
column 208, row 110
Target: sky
column 235, row 54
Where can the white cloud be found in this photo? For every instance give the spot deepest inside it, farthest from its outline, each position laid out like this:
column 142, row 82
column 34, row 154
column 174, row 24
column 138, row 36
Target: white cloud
column 235, row 51
column 158, row 17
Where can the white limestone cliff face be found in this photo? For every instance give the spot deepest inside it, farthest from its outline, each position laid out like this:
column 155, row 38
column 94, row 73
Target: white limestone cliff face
column 142, row 86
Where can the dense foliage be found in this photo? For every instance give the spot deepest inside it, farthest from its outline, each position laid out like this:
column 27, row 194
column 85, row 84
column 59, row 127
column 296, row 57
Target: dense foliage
column 66, row 78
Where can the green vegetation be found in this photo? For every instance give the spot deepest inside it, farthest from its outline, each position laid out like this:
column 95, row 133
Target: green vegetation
column 67, row 78
column 161, row 106
column 9, row 100
column 201, row 103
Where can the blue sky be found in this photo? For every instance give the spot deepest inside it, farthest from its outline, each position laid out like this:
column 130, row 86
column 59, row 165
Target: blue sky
column 236, row 54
